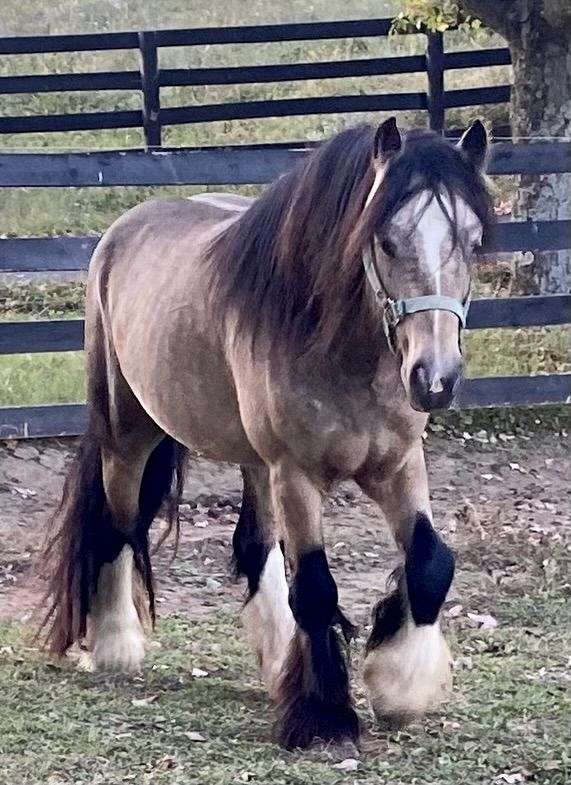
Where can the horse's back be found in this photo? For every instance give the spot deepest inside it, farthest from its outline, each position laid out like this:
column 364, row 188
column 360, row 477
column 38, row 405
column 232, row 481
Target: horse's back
column 163, row 237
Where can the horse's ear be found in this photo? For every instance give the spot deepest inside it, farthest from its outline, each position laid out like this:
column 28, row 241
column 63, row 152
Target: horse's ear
column 387, row 142
column 474, row 143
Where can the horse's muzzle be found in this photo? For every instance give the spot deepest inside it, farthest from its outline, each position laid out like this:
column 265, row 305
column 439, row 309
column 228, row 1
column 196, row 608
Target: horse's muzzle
column 432, row 389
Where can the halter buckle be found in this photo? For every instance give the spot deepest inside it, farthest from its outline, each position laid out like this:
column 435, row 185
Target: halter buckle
column 392, row 313
column 391, row 317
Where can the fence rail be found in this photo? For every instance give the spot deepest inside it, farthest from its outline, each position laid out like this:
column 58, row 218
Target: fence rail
column 237, row 165
column 66, row 335
column 152, row 117
column 68, row 254
column 71, row 419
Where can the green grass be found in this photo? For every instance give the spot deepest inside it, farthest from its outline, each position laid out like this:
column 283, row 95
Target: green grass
column 30, row 379
column 509, row 714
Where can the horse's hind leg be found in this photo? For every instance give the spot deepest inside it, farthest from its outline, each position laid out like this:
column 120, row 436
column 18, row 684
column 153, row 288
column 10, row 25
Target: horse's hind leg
column 115, row 623
column 123, row 471
column 407, row 666
column 258, row 556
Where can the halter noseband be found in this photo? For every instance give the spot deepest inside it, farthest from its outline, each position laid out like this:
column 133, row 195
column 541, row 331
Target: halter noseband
column 394, row 311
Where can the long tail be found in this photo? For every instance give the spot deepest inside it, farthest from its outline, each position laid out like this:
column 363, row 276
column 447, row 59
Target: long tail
column 83, row 521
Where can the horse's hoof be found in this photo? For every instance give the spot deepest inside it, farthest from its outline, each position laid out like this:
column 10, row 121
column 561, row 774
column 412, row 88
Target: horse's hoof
column 120, row 652
column 408, row 675
column 307, row 720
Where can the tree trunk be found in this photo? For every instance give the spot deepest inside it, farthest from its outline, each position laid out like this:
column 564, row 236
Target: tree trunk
column 541, row 106
column 538, row 33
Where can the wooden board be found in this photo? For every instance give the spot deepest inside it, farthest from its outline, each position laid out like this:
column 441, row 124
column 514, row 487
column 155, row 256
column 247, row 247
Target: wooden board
column 304, row 31
column 71, row 419
column 66, row 335
column 58, row 254
column 223, row 165
column 21, row 422
column 514, row 391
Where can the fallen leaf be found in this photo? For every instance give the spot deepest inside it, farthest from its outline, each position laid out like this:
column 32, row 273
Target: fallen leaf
column 349, row 764
column 512, row 778
column 193, row 735
column 484, row 621
column 198, row 673
column 454, row 611
column 144, row 701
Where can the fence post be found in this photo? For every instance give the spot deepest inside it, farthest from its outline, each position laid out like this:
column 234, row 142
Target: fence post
column 150, row 85
column 435, row 73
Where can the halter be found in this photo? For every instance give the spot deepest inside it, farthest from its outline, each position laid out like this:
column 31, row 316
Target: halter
column 395, row 310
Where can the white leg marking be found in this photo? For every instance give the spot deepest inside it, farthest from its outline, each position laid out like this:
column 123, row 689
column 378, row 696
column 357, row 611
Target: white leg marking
column 268, row 619
column 409, row 673
column 118, row 637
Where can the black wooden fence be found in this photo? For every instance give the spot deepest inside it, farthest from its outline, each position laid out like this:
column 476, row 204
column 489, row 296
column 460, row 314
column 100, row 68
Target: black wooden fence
column 254, row 165
column 151, row 77
column 249, row 164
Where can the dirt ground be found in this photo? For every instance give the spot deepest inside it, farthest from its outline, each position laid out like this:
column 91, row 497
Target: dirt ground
column 489, row 500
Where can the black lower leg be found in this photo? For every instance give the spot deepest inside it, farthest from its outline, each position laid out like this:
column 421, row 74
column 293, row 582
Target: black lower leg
column 429, row 570
column 250, row 541
column 315, row 701
column 421, row 587
column 250, row 550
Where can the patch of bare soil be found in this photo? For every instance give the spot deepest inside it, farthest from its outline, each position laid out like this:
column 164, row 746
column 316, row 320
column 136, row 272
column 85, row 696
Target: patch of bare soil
column 495, row 505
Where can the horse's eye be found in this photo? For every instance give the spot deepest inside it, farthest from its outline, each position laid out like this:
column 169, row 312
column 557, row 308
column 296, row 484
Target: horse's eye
column 388, row 248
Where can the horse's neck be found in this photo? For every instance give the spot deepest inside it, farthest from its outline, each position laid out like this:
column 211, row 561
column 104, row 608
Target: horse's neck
column 366, row 354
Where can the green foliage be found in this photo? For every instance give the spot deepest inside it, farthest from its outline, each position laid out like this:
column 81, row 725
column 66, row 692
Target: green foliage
column 437, row 17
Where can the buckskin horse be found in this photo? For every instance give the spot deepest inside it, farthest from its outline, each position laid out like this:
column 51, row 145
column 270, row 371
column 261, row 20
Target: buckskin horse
column 304, row 335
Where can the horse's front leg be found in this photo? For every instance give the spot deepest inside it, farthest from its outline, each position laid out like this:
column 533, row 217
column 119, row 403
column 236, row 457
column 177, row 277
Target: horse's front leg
column 407, row 664
column 314, row 700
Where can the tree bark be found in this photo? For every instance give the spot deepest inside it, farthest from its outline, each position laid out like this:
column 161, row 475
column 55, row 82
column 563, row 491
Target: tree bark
column 538, row 33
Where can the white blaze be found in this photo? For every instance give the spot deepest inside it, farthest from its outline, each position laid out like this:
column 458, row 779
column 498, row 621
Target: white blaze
column 433, row 229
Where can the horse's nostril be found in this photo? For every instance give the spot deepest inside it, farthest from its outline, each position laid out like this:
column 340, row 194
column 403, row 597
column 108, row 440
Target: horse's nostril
column 419, row 375
column 431, row 388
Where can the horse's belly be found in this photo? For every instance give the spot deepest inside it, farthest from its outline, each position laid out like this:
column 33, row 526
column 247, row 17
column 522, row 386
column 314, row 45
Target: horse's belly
column 193, row 402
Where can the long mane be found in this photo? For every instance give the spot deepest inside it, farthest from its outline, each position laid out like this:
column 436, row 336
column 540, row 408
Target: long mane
column 290, row 267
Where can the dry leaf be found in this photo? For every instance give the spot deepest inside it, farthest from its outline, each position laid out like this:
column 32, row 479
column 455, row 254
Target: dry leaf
column 483, row 620
column 144, row 701
column 349, row 764
column 193, row 735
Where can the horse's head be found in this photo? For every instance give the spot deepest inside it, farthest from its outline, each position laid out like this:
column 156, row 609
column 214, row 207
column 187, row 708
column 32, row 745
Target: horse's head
column 427, row 210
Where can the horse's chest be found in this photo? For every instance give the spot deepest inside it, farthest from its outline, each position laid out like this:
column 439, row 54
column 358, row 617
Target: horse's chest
column 331, row 432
